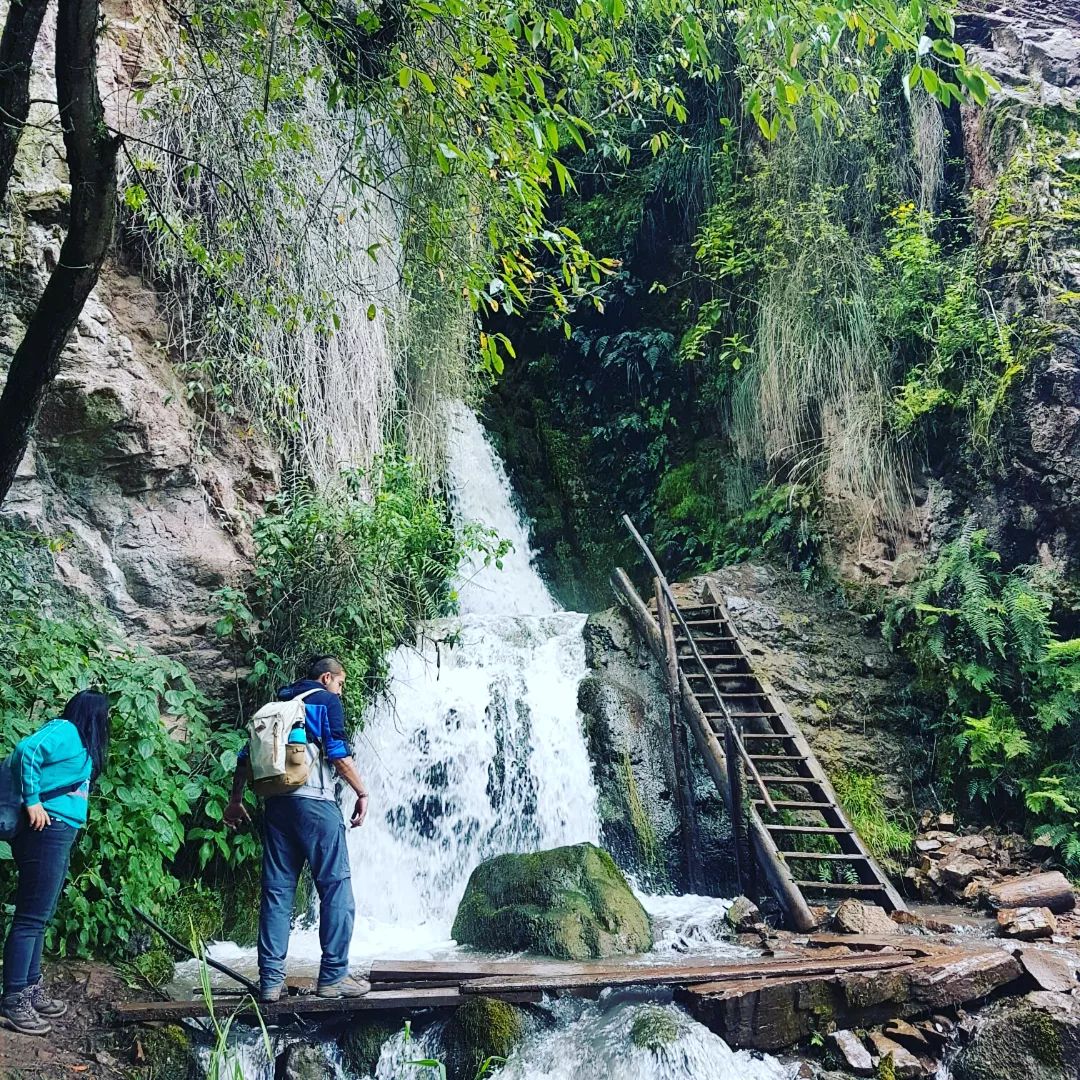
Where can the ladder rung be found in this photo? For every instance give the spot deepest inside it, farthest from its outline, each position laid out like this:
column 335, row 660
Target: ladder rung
column 826, row 829
column 823, row 855
column 806, row 781
column 737, row 715
column 777, row 757
column 759, row 735
column 704, row 622
column 790, row 805
column 837, row 886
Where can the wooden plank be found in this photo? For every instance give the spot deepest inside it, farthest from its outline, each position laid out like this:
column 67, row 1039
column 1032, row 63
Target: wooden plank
column 133, row 1012
column 826, row 829
column 684, row 976
column 838, row 886
column 392, row 971
column 854, row 856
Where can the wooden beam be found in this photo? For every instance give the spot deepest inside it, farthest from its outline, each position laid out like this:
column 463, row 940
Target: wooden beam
column 403, row 1001
column 671, row 975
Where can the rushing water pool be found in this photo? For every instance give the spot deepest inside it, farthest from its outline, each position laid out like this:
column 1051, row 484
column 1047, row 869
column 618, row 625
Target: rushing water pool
column 475, row 750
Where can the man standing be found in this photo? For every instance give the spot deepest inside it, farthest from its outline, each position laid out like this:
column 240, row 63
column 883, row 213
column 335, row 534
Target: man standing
column 306, row 826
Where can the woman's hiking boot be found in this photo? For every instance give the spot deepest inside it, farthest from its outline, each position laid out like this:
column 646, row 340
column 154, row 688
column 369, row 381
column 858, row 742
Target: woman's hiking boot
column 44, row 1005
column 350, row 986
column 19, row 1012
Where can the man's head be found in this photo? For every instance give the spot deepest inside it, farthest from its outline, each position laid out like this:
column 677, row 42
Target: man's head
column 328, row 671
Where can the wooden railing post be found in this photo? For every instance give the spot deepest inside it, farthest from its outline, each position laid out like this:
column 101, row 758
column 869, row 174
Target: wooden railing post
column 680, row 749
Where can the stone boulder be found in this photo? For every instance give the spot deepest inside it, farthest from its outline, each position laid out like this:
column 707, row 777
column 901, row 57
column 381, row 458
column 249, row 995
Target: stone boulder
column 480, row 1030
column 868, row 920
column 1034, row 1038
column 655, row 1027
column 572, row 903
column 1027, row 924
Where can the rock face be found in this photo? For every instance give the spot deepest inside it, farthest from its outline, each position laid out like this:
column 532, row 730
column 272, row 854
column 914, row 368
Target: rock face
column 572, row 903
column 1035, row 1038
column 148, row 506
column 625, row 708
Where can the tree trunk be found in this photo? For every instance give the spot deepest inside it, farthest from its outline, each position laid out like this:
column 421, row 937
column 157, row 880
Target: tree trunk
column 91, row 159
column 21, row 30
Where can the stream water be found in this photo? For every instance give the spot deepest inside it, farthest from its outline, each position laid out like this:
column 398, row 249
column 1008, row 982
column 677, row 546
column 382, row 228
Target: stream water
column 477, row 749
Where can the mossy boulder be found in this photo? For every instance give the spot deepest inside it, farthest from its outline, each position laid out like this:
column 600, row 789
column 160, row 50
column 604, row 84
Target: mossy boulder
column 654, row 1027
column 362, row 1044
column 481, row 1029
column 170, row 1053
column 572, row 903
column 1035, row 1038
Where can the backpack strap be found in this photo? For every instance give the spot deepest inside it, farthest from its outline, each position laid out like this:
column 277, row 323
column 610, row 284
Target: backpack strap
column 55, row 793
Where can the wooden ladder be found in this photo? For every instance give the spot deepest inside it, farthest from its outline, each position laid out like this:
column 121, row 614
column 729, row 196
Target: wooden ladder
column 805, row 811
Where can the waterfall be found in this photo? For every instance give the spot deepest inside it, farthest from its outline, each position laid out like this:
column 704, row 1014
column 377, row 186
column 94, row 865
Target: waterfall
column 477, row 748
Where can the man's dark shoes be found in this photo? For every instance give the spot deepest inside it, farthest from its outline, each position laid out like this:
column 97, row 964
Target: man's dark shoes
column 21, row 1015
column 350, row 986
column 43, row 1004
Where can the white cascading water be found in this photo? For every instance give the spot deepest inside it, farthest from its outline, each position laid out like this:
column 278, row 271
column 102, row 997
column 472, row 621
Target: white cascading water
column 477, row 747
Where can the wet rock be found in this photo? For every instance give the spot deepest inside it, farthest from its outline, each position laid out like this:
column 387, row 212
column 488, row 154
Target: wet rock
column 1027, row 924
column 743, row 915
column 302, row 1061
column 362, row 1043
column 1033, row 1038
column 868, row 920
column 170, row 1053
column 572, row 903
column 851, row 1051
column 654, row 1027
column 907, row 1035
column 905, row 1064
column 479, row 1030
column 1051, row 971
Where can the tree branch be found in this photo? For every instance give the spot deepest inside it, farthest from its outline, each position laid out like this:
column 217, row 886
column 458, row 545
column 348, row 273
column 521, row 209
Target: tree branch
column 91, row 158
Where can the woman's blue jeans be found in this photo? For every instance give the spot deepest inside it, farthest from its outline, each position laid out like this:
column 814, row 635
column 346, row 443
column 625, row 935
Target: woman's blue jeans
column 42, row 860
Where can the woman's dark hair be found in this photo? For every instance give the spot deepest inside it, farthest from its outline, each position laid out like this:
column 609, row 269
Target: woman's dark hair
column 89, row 712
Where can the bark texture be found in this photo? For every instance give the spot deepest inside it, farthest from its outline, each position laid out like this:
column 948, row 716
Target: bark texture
column 21, row 29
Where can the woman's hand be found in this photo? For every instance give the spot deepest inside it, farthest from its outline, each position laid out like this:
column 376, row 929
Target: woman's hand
column 39, row 817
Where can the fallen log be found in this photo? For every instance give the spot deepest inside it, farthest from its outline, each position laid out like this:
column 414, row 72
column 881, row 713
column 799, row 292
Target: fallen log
column 1050, row 890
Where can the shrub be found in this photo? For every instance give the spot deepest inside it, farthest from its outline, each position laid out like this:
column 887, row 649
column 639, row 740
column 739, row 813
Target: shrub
column 156, row 782
column 349, row 570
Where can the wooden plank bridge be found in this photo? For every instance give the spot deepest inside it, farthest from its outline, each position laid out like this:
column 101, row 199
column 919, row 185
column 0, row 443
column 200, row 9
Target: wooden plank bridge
column 795, row 827
column 762, row 1002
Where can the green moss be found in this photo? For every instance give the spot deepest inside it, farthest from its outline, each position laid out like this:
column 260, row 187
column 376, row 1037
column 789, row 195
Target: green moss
column 886, row 1069
column 155, row 967
column 480, row 1030
column 169, row 1053
column 654, row 1028
column 572, row 903
column 362, row 1044
column 639, row 819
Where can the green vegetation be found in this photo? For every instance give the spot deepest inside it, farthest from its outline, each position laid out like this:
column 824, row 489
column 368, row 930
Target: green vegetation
column 886, row 831
column 1005, row 685
column 350, row 570
column 166, row 772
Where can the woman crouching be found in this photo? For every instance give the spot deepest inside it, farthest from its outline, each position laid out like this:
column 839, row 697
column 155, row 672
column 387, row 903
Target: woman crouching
column 56, row 766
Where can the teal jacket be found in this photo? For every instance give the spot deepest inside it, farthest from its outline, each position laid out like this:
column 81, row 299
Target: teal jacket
column 54, row 757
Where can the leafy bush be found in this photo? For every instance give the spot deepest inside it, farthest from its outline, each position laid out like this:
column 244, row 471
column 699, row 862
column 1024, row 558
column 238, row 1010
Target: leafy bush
column 164, row 769
column 1007, row 689
column 346, row 571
